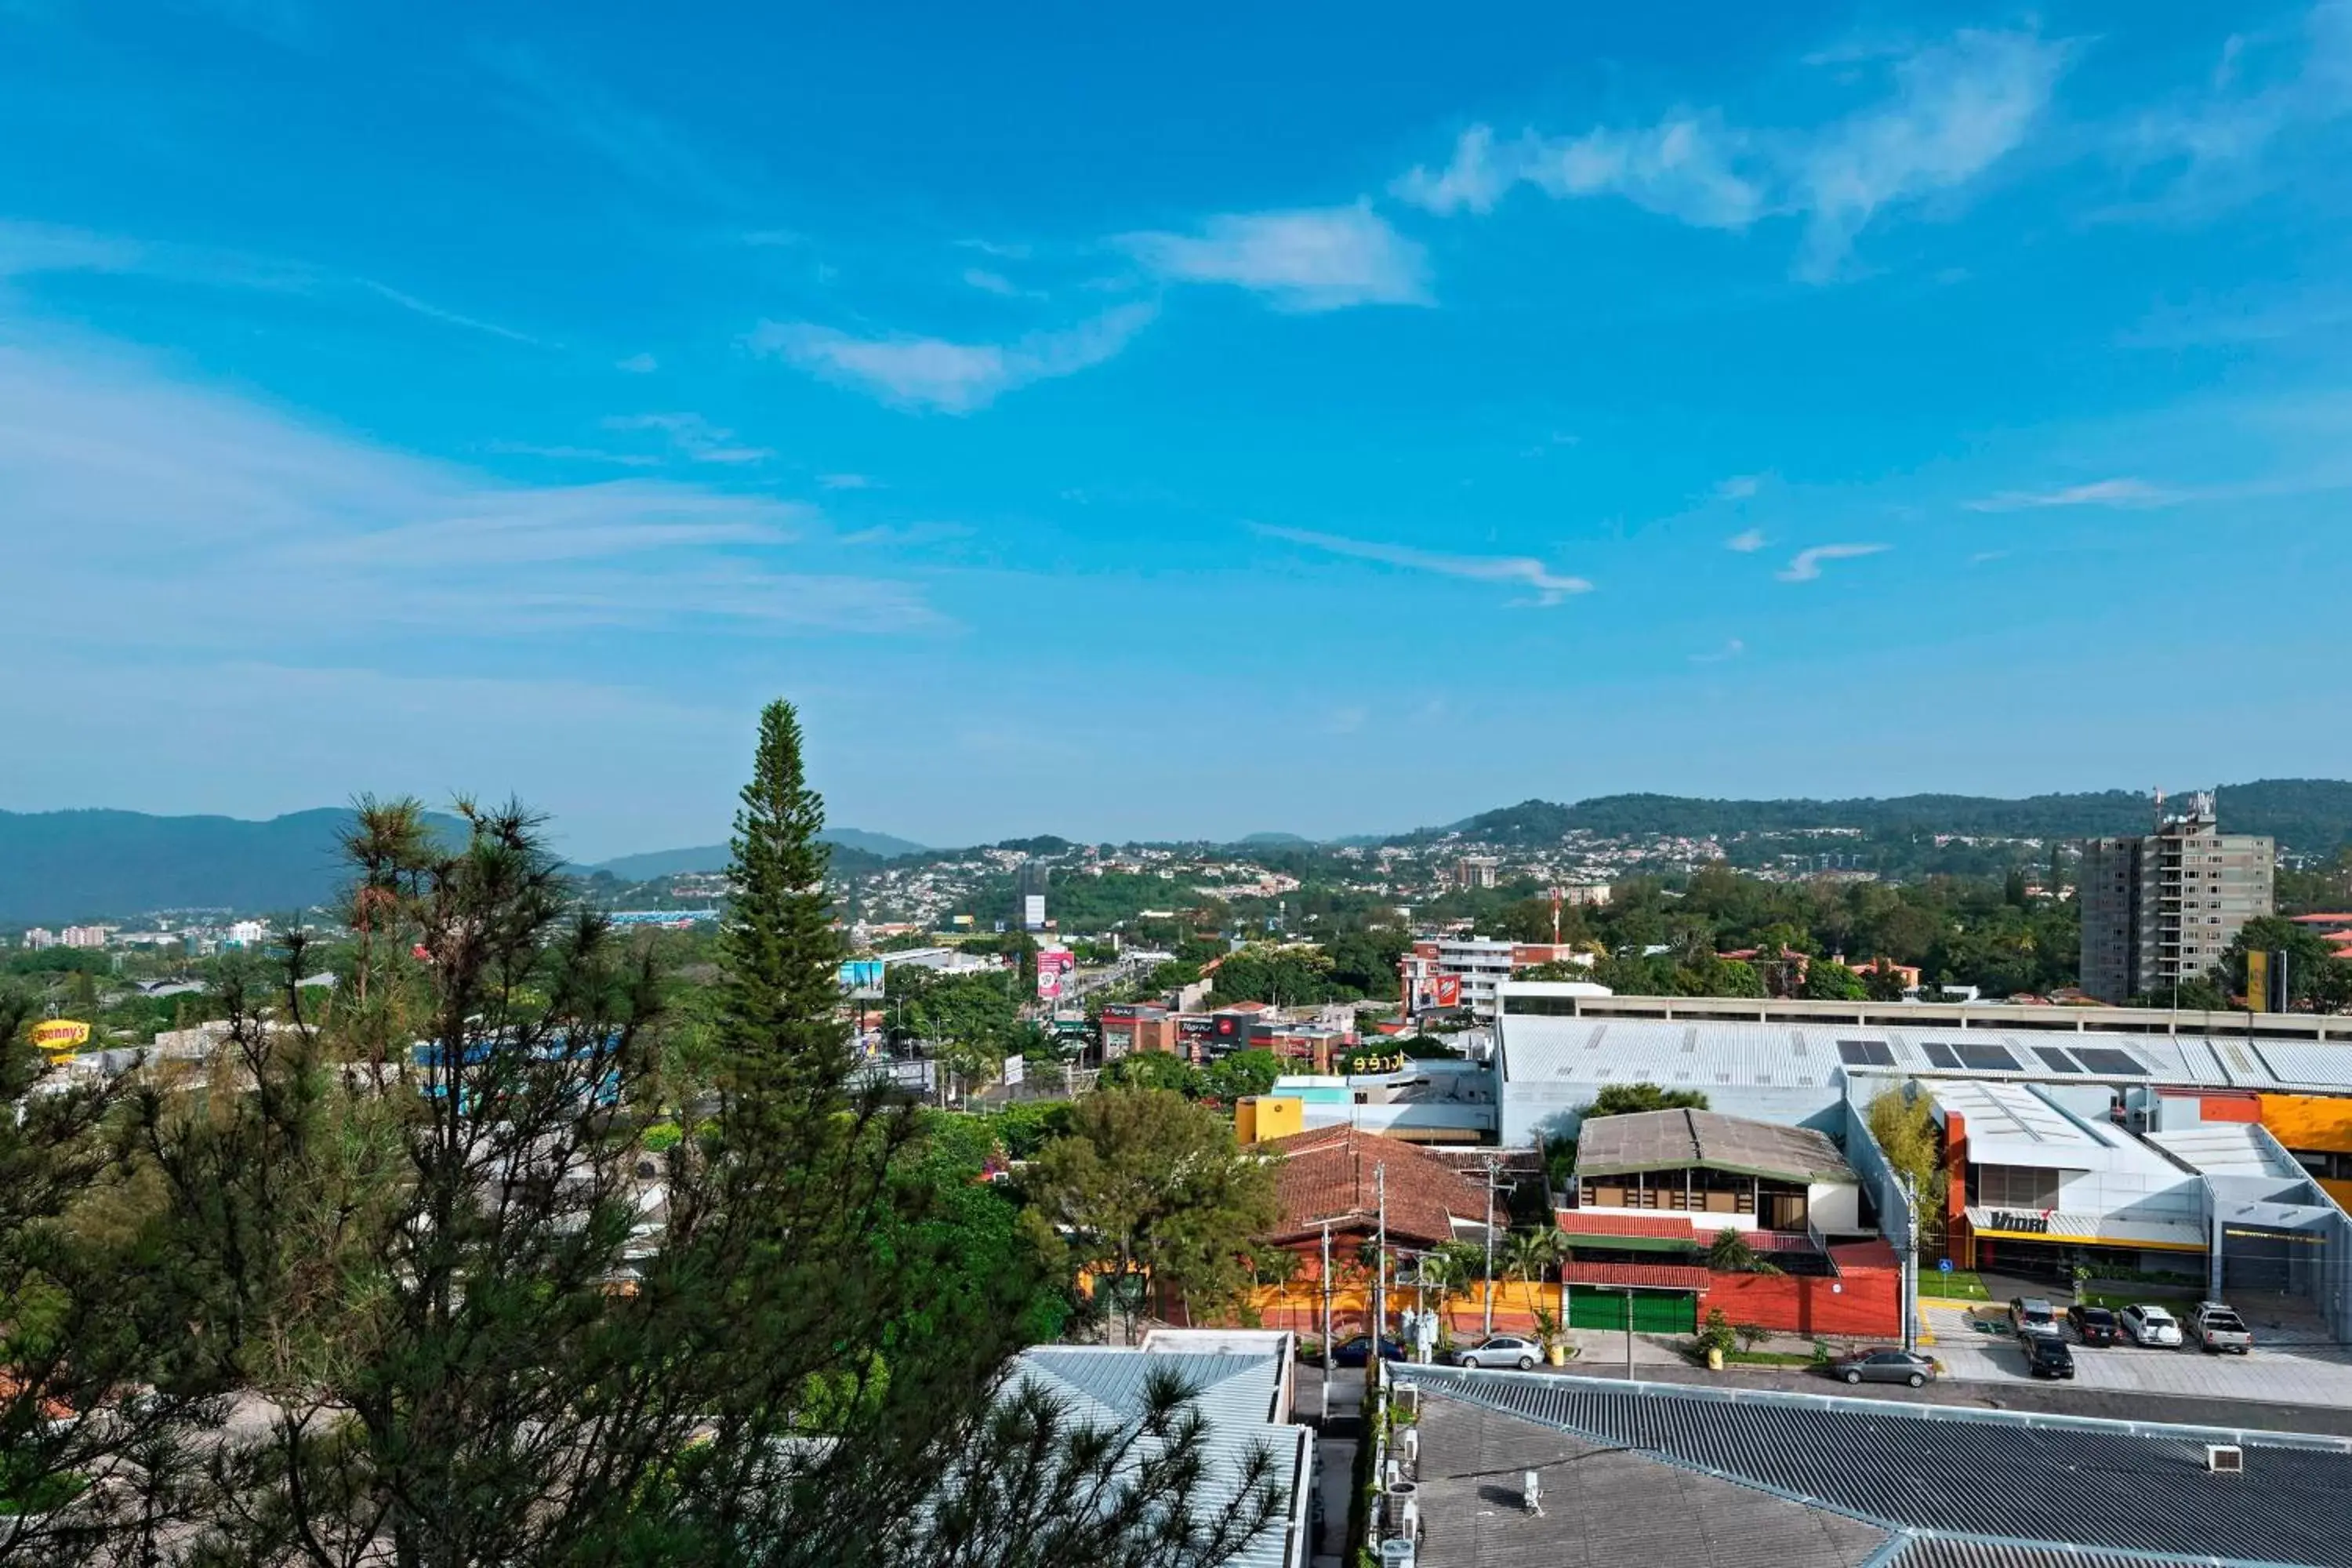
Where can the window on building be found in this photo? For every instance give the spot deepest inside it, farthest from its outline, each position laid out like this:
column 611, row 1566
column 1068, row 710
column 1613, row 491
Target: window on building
column 2013, row 1186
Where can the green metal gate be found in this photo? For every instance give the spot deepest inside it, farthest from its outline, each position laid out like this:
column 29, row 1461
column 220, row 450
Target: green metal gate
column 1654, row 1311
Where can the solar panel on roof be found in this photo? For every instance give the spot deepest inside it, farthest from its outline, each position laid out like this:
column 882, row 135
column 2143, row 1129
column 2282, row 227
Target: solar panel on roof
column 1866, row 1053
column 2055, row 1060
column 1941, row 1055
column 1986, row 1059
column 2106, row 1059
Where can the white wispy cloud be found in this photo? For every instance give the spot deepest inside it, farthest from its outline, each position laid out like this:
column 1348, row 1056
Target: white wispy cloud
column 1806, row 566
column 1732, row 649
column 651, row 152
column 2119, row 492
column 1740, row 486
column 2244, row 131
column 693, row 436
column 847, row 482
column 935, row 372
column 998, row 284
column 1952, row 110
column 1548, row 586
column 31, row 249
column 1747, row 541
column 134, row 496
column 638, row 364
column 571, row 454
column 1313, row 258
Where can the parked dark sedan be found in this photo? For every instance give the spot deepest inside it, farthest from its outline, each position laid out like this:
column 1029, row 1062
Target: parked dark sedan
column 2046, row 1355
column 1884, row 1366
column 2094, row 1325
column 1357, row 1351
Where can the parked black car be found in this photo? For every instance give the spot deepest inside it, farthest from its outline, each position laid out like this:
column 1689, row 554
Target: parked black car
column 1357, row 1351
column 2094, row 1325
column 2046, row 1355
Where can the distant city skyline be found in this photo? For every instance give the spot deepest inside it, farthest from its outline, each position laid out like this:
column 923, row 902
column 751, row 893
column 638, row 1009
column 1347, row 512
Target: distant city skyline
column 1321, row 421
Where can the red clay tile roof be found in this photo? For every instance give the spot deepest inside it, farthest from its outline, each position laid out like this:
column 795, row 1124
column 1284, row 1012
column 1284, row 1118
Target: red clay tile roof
column 1656, row 1276
column 1673, row 1227
column 1328, row 1174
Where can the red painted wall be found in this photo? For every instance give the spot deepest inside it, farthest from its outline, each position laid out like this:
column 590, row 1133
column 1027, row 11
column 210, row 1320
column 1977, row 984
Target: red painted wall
column 2231, row 1108
column 1867, row 1300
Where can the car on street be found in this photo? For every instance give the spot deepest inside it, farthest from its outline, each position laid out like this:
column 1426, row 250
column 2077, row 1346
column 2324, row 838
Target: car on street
column 2046, row 1355
column 1503, row 1349
column 2092, row 1325
column 1884, row 1366
column 2148, row 1324
column 2032, row 1314
column 1357, row 1351
column 2215, row 1327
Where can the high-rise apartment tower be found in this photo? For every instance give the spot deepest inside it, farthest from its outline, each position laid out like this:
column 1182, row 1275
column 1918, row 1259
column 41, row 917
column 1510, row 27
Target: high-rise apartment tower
column 2162, row 907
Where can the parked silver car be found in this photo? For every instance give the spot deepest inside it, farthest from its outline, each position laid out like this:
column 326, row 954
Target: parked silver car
column 2150, row 1325
column 1884, row 1366
column 1503, row 1349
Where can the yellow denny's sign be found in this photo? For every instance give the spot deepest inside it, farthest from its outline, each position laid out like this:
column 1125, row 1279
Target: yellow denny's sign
column 59, row 1034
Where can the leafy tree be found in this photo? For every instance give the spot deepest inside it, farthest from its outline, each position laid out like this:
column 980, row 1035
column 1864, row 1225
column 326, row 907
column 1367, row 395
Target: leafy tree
column 1154, row 1069
column 1242, row 1073
column 1905, row 1129
column 2315, row 978
column 1154, row 1188
column 1626, row 1099
column 423, row 1265
column 1829, row 981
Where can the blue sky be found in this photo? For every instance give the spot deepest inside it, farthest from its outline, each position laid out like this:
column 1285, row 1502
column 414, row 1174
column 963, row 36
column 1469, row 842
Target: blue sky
column 1320, row 418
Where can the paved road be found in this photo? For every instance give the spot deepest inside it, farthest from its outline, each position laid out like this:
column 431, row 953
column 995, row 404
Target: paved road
column 2271, row 1372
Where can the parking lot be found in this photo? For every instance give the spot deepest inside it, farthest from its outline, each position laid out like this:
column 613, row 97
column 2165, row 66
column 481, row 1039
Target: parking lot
column 2277, row 1371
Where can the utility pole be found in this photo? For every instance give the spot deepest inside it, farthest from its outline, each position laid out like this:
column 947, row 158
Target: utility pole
column 1492, row 1165
column 1629, row 1334
column 1327, row 1319
column 1911, row 1267
column 1380, row 1279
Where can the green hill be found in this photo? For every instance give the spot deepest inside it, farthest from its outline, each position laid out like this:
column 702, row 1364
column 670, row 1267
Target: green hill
column 87, row 865
column 2311, row 815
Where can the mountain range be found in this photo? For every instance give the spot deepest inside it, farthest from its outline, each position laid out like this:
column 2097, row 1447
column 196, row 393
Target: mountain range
column 59, row 866
column 83, row 865
column 2313, row 816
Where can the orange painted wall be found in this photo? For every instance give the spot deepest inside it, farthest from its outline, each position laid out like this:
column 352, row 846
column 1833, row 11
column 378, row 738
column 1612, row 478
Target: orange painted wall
column 2310, row 1121
column 2230, row 1107
column 1300, row 1307
column 1866, row 1301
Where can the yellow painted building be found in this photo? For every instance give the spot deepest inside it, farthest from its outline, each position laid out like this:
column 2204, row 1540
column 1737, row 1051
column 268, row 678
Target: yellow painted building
column 1261, row 1117
column 2318, row 1130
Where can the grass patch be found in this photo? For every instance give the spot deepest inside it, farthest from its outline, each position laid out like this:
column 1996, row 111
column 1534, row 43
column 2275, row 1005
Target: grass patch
column 1959, row 1285
column 1765, row 1358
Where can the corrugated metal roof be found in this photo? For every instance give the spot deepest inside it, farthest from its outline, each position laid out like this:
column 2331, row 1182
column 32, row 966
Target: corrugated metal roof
column 1104, row 1388
column 2038, row 1483
column 2226, row 1149
column 1680, row 1140
column 1539, row 1049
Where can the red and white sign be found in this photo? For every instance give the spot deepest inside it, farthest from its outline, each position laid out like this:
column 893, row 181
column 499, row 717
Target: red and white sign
column 1447, row 990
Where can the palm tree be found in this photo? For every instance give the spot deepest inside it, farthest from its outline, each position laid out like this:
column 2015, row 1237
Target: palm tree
column 1527, row 1253
column 1731, row 1253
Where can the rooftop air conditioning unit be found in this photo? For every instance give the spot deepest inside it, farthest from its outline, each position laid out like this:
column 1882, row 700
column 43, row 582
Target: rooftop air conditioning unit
column 1531, row 1492
column 1408, row 1399
column 1409, row 1447
column 1396, row 1553
column 2225, row 1459
column 1398, row 1506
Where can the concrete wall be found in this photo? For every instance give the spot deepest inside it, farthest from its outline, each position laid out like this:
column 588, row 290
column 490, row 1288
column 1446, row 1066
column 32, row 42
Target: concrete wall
column 1864, row 1300
column 1834, row 1206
